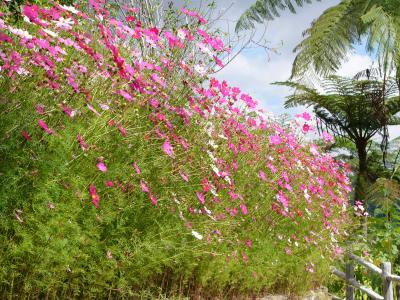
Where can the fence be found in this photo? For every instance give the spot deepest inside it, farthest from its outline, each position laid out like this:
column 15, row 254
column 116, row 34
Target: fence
column 385, row 271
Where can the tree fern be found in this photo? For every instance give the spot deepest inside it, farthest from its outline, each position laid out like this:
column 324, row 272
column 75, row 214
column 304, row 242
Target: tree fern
column 352, row 109
column 265, row 10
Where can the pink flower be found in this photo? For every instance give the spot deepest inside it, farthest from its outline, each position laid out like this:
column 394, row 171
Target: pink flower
column 101, row 166
column 275, row 140
column 205, row 184
column 243, row 208
column 184, row 176
column 248, row 243
column 327, row 138
column 68, row 111
column 153, row 199
column 130, row 19
column 144, row 187
column 306, row 128
column 109, row 183
column 91, row 108
column 40, row 109
column 126, row 95
column 338, row 251
column 282, row 199
column 314, row 150
column 45, row 127
column 135, row 166
column 31, row 11
column 94, row 196
column 261, row 175
column 305, row 115
column 82, row 142
column 200, row 196
column 288, row 251
column 122, row 130
column 26, row 135
column 167, row 148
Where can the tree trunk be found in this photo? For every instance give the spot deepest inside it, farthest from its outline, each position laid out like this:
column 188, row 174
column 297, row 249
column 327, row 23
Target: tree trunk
column 362, row 178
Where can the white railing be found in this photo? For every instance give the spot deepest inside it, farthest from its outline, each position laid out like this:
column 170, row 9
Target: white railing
column 385, row 271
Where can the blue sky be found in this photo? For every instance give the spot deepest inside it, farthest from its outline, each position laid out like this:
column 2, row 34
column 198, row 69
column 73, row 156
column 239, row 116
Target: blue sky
column 254, row 71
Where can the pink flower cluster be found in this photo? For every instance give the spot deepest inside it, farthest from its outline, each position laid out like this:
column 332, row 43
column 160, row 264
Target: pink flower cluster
column 236, row 139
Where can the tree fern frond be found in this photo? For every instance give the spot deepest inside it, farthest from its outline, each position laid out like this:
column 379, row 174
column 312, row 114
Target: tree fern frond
column 266, row 10
column 329, row 38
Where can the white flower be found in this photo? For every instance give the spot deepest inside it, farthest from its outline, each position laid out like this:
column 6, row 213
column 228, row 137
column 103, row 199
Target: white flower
column 213, row 191
column 26, row 19
column 51, row 33
column 70, row 9
column 306, row 195
column 211, row 155
column 200, row 69
column 314, row 150
column 22, row 71
column 21, row 33
column 197, row 235
column 207, row 210
column 181, row 34
column 64, row 23
column 222, row 136
column 205, row 49
column 212, row 144
column 215, row 169
column 104, row 106
column 2, row 24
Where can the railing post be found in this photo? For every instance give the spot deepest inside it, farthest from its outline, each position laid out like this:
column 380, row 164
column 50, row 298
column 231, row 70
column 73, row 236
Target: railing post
column 387, row 283
column 349, row 276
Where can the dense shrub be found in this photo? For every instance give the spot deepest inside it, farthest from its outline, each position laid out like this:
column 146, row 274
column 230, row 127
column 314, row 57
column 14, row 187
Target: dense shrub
column 126, row 170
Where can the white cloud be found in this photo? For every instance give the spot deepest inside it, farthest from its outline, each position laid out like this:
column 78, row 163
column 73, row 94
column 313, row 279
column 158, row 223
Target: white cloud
column 354, row 64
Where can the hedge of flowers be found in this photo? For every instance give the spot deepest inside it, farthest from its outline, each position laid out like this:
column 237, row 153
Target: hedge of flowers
column 118, row 144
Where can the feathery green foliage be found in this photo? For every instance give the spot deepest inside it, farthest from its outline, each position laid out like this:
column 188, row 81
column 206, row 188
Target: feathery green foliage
column 352, row 109
column 330, row 38
column 266, row 10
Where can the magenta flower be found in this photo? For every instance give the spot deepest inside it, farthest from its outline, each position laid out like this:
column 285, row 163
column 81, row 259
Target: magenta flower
column 126, row 95
column 184, row 176
column 44, row 126
column 109, row 183
column 306, row 128
column 101, row 166
column 68, row 111
column 40, row 109
column 282, row 199
column 200, row 196
column 328, row 138
column 305, row 115
column 31, row 11
column 26, row 135
column 94, row 196
column 167, row 148
column 135, row 166
column 248, row 243
column 153, row 199
column 122, row 130
column 82, row 142
column 144, row 187
column 261, row 175
column 275, row 140
column 243, row 208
